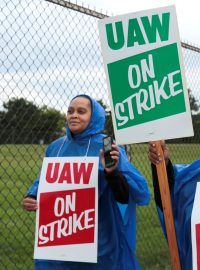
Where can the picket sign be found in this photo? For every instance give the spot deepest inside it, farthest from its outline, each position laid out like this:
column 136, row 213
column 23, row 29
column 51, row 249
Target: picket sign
column 147, row 87
column 145, row 76
column 195, row 229
column 66, row 220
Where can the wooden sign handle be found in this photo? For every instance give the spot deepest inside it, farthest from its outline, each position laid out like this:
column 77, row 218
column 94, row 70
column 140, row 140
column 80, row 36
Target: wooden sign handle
column 167, row 209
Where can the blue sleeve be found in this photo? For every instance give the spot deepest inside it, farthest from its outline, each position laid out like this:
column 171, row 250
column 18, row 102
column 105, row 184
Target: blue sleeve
column 139, row 194
column 182, row 195
column 138, row 188
column 32, row 191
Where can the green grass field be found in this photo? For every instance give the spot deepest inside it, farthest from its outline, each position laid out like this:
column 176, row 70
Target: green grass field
column 20, row 165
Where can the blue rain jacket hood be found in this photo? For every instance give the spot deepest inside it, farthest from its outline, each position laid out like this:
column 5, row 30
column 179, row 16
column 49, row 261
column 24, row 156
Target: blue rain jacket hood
column 116, row 222
column 182, row 195
column 97, row 121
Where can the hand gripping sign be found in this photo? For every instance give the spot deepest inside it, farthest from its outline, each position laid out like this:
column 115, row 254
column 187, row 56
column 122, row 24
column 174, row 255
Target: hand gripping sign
column 195, row 228
column 66, row 221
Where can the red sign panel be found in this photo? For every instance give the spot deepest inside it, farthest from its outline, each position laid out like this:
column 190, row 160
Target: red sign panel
column 67, row 217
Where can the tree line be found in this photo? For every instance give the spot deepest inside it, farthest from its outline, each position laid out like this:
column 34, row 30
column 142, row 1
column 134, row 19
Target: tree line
column 23, row 122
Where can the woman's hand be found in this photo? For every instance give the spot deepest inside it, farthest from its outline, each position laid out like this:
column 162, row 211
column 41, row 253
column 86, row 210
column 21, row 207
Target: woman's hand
column 29, row 204
column 114, row 155
column 154, row 156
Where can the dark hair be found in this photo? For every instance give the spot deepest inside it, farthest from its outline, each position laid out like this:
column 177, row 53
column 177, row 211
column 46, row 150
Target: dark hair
column 84, row 96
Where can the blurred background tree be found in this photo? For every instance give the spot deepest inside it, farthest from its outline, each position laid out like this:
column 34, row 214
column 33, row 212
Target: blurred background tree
column 21, row 121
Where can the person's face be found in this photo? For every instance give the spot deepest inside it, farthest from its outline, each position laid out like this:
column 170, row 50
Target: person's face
column 79, row 114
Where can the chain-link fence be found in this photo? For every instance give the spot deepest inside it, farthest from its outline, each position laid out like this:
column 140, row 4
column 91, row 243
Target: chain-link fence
column 49, row 53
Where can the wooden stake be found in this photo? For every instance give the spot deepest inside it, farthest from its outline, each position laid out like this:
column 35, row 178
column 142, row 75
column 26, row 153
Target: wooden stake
column 167, row 209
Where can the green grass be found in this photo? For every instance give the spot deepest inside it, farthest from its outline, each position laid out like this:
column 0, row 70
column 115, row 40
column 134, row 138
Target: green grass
column 20, row 165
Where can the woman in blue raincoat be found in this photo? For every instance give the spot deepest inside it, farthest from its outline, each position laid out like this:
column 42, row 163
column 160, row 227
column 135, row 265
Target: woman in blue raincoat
column 182, row 184
column 121, row 187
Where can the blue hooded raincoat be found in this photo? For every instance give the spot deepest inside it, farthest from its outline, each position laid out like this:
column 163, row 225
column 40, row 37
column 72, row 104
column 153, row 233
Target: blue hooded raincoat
column 116, row 223
column 182, row 195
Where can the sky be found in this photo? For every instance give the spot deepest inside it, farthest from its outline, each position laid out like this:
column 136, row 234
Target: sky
column 187, row 13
